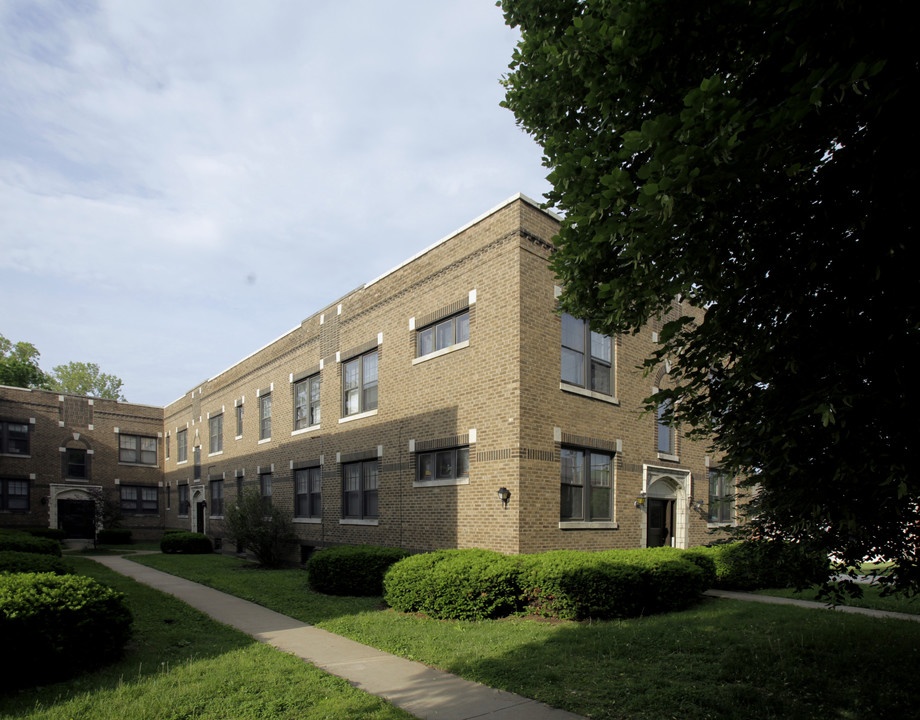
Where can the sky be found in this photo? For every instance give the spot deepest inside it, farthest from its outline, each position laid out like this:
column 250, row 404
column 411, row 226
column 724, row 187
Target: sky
column 183, row 182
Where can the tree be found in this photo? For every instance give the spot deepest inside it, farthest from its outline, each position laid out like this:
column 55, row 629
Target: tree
column 260, row 527
column 82, row 378
column 752, row 159
column 19, row 365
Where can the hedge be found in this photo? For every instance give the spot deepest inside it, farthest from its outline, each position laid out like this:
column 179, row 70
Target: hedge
column 53, row 533
column 24, row 542
column 756, row 564
column 114, row 536
column 351, row 569
column 14, row 561
column 58, row 625
column 186, row 542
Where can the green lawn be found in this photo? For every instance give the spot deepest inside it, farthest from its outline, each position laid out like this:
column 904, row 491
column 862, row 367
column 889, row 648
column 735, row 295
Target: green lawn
column 872, row 597
column 721, row 658
column 182, row 664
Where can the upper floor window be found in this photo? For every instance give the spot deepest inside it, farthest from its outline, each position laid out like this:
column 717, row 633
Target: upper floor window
column 75, row 464
column 265, row 417
column 359, row 489
column 182, row 446
column 239, row 420
column 306, row 403
column 587, row 356
column 587, row 485
column 308, row 484
column 139, row 499
column 167, row 446
column 217, row 497
column 443, row 334
column 359, row 384
column 666, row 439
column 452, row 464
column 14, row 495
column 137, row 449
column 216, row 433
column 14, row 437
column 721, row 499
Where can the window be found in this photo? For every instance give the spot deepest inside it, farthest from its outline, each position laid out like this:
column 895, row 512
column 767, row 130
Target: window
column 217, row 497
column 453, row 464
column 14, row 438
column 183, row 500
column 265, row 487
column 239, row 420
column 216, row 427
column 666, row 444
column 308, row 485
column 306, row 403
column 359, row 489
column 587, row 485
column 167, row 447
column 139, row 499
column 75, row 465
column 265, row 417
column 14, row 495
column 137, row 450
column 182, row 446
column 443, row 334
column 721, row 499
column 587, row 356
column 360, row 384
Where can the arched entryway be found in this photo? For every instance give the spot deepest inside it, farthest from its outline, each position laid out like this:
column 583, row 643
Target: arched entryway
column 73, row 510
column 665, row 520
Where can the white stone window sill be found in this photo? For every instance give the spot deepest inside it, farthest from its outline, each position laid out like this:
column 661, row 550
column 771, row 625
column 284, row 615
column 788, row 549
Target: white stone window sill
column 308, row 520
column 442, row 351
column 215, row 517
column 238, row 437
column 219, row 452
column 666, row 456
column 575, row 390
column 143, row 465
column 264, row 440
column 312, row 428
column 590, row 525
column 719, row 526
column 358, row 416
column 15, row 455
column 440, row 483
column 182, row 462
column 355, row 521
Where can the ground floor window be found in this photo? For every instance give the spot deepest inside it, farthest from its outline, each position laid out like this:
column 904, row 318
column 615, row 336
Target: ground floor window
column 359, row 489
column 217, row 497
column 183, row 500
column 587, row 485
column 450, row 464
column 721, row 498
column 14, row 495
column 139, row 499
column 308, row 484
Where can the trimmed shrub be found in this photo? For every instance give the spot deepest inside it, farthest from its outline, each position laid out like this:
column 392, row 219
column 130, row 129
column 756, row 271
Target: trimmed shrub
column 188, row 543
column 58, row 625
column 114, row 536
column 53, row 533
column 755, row 564
column 15, row 561
column 455, row 584
column 351, row 569
column 173, row 531
column 24, row 542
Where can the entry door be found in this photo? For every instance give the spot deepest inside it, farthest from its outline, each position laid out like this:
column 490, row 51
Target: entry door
column 77, row 518
column 660, row 522
column 199, row 509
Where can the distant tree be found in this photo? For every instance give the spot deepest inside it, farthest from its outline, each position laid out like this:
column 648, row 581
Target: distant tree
column 755, row 160
column 82, row 378
column 19, row 365
column 260, row 527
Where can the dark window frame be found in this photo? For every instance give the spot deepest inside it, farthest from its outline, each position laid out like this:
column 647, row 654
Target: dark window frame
column 430, row 468
column 443, row 334
column 665, row 435
column 76, row 458
column 307, row 402
column 366, row 391
column 721, row 497
column 361, row 502
column 266, row 489
column 138, row 449
column 142, row 503
column 308, row 492
column 265, row 416
column 218, row 435
column 182, row 446
column 239, row 420
column 592, row 369
column 5, row 494
column 217, row 498
column 8, row 437
column 582, row 505
column 184, row 503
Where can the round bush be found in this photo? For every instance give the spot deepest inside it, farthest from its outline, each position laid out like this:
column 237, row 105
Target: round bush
column 351, row 569
column 58, row 625
column 22, row 562
column 755, row 564
column 24, row 542
column 188, row 543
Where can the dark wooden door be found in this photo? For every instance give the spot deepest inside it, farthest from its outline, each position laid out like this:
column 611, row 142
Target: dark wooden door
column 77, row 518
column 200, row 508
column 660, row 522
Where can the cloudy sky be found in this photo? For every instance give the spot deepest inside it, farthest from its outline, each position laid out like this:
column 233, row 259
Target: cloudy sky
column 182, row 182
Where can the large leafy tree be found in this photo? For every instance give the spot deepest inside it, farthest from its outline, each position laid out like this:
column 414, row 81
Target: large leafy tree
column 755, row 159
column 83, row 378
column 19, row 365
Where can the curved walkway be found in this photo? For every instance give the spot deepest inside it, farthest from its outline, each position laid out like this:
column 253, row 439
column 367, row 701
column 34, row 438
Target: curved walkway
column 753, row 597
column 414, row 687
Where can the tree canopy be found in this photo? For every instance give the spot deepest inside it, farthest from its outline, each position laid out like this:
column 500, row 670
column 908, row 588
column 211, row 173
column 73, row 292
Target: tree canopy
column 752, row 159
column 81, row 378
column 19, row 365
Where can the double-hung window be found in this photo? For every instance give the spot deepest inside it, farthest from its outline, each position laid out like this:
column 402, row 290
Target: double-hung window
column 359, row 384
column 306, row 403
column 139, row 499
column 137, row 450
column 359, row 489
column 587, row 356
column 216, row 427
column 182, row 446
column 75, row 464
column 183, row 500
column 239, row 420
column 308, row 485
column 14, row 494
column 666, row 439
column 265, row 417
column 14, row 438
column 443, row 334
column 587, row 485
column 721, row 498
column 265, row 487
column 452, row 464
column 217, row 497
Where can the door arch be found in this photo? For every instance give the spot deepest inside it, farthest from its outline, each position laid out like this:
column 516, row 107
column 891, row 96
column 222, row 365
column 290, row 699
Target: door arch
column 665, row 519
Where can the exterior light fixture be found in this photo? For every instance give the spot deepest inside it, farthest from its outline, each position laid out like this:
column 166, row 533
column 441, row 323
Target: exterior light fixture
column 640, row 500
column 505, row 495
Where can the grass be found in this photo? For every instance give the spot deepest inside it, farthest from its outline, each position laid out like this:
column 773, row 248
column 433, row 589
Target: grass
column 182, row 664
column 720, row 658
column 872, row 597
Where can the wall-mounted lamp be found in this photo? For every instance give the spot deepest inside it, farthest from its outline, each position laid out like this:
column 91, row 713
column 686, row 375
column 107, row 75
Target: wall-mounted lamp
column 505, row 494
column 640, row 500
column 697, row 505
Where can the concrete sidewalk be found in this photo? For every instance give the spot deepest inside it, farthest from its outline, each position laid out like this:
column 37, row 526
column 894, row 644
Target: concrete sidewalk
column 416, row 688
column 753, row 597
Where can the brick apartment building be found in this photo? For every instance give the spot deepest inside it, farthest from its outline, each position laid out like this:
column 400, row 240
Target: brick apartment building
column 444, row 404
